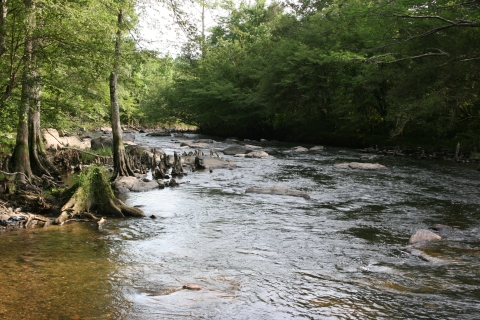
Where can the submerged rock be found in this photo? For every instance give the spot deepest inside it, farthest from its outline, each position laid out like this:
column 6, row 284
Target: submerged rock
column 134, row 184
column 212, row 163
column 278, row 191
column 193, row 145
column 360, row 166
column 317, row 148
column 233, row 150
column 256, row 154
column 423, row 235
column 441, row 227
column 299, row 149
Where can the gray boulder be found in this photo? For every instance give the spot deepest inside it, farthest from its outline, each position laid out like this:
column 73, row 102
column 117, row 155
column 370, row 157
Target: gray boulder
column 360, row 166
column 233, row 150
column 193, row 145
column 423, row 235
column 249, row 146
column 278, row 191
column 213, row 163
column 256, row 154
column 317, row 148
column 134, row 184
column 299, row 149
column 53, row 140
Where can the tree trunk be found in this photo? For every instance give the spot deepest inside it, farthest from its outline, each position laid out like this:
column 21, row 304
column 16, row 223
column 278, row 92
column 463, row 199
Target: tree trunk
column 21, row 158
column 121, row 165
column 94, row 192
column 38, row 159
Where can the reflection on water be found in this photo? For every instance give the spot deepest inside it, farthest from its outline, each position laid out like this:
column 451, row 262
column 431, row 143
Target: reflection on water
column 61, row 273
column 262, row 257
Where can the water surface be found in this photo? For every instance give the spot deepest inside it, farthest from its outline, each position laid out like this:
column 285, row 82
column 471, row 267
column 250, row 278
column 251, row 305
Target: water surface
column 335, row 256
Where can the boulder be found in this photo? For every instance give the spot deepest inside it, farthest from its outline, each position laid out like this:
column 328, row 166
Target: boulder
column 317, row 148
column 53, row 140
column 441, row 227
column 360, row 166
column 233, row 150
column 213, row 163
column 134, row 184
column 256, row 154
column 195, row 145
column 423, row 235
column 278, row 191
column 299, row 149
column 102, row 142
column 249, row 146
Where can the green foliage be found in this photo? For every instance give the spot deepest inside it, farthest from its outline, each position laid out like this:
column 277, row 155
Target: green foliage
column 342, row 71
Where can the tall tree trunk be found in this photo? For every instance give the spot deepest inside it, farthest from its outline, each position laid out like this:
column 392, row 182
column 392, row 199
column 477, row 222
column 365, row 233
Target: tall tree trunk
column 21, row 158
column 39, row 163
column 121, row 165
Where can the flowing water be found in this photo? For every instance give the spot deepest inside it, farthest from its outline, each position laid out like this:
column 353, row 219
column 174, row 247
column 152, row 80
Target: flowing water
column 335, row 256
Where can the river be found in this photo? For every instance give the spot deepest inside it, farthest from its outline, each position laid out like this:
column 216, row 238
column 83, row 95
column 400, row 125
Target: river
column 334, row 256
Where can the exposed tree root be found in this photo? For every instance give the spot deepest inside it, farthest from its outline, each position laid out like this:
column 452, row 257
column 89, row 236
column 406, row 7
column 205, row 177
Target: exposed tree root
column 93, row 192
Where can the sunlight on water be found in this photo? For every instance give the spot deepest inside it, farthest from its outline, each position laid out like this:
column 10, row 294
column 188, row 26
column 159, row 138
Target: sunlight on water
column 335, row 256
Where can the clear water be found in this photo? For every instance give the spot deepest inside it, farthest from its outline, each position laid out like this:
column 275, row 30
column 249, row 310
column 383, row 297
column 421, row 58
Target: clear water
column 335, row 256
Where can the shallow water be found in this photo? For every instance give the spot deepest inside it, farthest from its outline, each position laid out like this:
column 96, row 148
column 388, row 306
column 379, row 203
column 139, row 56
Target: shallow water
column 335, row 256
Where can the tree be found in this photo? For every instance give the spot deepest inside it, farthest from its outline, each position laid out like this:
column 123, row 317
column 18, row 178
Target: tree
column 120, row 161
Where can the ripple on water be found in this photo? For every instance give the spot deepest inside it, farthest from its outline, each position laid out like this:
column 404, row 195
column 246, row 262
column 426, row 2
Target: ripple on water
column 264, row 256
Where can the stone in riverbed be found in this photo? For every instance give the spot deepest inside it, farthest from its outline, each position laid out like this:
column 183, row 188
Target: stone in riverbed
column 278, row 191
column 233, row 150
column 441, row 227
column 360, row 166
column 423, row 235
column 192, row 145
column 134, row 184
column 212, row 163
column 299, row 149
column 317, row 148
column 256, row 154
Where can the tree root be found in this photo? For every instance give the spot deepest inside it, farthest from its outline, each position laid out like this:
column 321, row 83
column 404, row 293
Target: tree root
column 94, row 192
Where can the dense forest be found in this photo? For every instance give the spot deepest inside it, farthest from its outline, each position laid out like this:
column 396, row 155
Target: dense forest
column 342, row 72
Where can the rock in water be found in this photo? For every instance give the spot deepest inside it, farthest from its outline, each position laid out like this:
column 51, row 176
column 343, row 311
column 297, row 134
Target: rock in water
column 361, row 166
column 233, row 150
column 256, row 154
column 212, row 163
column 423, row 235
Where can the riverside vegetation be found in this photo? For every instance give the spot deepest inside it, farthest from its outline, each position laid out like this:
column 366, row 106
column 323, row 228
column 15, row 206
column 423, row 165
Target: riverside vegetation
column 345, row 73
